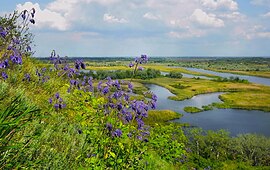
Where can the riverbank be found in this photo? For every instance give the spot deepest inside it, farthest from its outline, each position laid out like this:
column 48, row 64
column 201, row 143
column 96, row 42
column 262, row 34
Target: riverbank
column 241, row 95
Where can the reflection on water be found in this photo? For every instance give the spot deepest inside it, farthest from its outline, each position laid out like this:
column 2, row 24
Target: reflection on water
column 234, row 120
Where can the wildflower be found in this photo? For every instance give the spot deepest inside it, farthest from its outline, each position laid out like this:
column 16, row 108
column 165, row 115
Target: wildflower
column 140, row 123
column 154, row 97
column 99, row 85
column 27, row 77
column 24, row 14
column 131, row 64
column 28, row 48
column 130, row 86
column 57, row 96
column 117, row 133
column 105, row 90
column 32, row 21
column 16, row 59
column 3, row 33
column 4, row 75
column 50, row 100
column 61, row 106
column 56, row 106
column 128, row 117
column 109, row 126
column 140, row 68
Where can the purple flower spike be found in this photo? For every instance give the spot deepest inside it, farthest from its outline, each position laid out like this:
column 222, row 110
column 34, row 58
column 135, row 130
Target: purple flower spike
column 105, row 90
column 28, row 48
column 56, row 106
column 154, row 97
column 131, row 64
column 57, row 96
column 4, row 75
column 32, row 21
column 109, row 126
column 99, row 85
column 50, row 100
column 130, row 86
column 117, row 133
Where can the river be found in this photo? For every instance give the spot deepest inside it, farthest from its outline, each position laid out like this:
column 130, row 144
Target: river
column 234, row 120
column 252, row 79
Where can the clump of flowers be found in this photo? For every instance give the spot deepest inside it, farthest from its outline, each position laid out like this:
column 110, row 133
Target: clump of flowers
column 15, row 40
column 57, row 102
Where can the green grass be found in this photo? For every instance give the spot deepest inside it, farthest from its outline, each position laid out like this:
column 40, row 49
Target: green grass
column 190, row 109
column 161, row 116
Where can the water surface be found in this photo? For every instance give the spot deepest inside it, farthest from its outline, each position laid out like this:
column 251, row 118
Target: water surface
column 234, row 120
column 252, row 79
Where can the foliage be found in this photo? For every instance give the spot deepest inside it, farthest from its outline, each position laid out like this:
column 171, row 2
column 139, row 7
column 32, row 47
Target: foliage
column 123, row 74
column 231, row 79
column 175, row 74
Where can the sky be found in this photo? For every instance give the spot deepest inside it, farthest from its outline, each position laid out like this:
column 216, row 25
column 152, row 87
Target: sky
column 86, row 28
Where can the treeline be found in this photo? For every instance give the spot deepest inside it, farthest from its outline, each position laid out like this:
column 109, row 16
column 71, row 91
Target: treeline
column 231, row 79
column 122, row 74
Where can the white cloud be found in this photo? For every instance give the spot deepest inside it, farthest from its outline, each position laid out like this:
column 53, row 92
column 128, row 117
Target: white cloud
column 267, row 15
column 215, row 4
column 253, row 32
column 186, row 34
column 113, row 19
column 46, row 18
column 151, row 16
column 67, row 5
column 202, row 18
column 234, row 16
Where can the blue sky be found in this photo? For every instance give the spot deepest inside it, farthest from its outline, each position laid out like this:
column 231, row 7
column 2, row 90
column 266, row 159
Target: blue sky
column 152, row 27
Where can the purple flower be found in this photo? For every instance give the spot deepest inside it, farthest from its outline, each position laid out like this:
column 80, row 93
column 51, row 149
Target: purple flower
column 3, row 33
column 4, row 75
column 140, row 68
column 105, row 90
column 57, row 96
column 140, row 123
column 144, row 58
column 153, row 105
column 28, row 48
column 61, row 106
column 109, row 126
column 130, row 86
column 4, row 64
column 50, row 100
column 27, row 77
column 131, row 64
column 117, row 84
column 32, row 21
column 117, row 133
column 56, row 106
column 99, row 85
column 16, row 59
column 83, row 65
column 128, row 117
column 154, row 97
